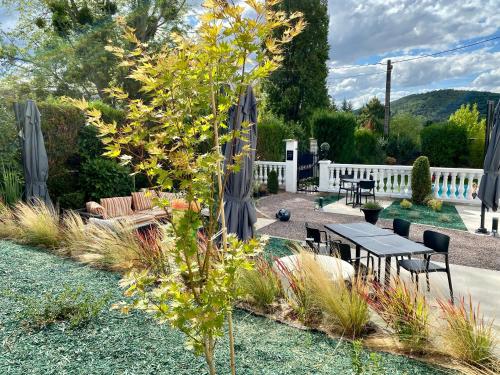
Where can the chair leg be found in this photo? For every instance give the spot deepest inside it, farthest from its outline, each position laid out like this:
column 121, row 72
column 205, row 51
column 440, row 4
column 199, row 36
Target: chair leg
column 428, row 283
column 451, row 287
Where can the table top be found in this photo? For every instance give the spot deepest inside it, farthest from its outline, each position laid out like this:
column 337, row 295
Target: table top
column 378, row 241
column 358, row 230
column 353, row 180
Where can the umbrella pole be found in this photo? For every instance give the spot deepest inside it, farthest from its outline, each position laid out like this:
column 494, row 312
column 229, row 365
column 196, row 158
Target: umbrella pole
column 489, row 120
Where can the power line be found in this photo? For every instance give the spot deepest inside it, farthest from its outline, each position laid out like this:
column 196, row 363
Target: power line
column 358, row 75
column 420, row 56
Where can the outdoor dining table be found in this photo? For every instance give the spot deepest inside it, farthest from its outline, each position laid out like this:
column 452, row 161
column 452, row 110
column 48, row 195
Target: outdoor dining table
column 355, row 182
column 379, row 242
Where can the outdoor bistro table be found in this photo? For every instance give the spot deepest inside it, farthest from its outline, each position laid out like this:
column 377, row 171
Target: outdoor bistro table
column 380, row 242
column 355, row 182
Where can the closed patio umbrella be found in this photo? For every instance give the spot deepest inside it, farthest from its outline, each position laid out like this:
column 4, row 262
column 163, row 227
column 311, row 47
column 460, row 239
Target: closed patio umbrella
column 239, row 209
column 489, row 189
column 35, row 161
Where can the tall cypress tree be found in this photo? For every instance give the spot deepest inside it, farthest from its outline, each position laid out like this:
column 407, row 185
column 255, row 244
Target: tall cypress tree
column 299, row 87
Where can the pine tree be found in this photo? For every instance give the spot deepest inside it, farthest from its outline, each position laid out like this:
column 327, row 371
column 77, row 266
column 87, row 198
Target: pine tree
column 299, row 86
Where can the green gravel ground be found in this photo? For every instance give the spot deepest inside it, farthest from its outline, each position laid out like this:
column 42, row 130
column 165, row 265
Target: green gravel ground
column 134, row 344
column 427, row 216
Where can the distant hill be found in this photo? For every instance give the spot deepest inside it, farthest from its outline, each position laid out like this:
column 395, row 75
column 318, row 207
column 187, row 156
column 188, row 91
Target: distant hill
column 439, row 105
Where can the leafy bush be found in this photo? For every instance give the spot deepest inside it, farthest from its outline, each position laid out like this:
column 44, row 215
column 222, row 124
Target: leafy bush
column 271, row 132
column 10, row 153
column 360, row 366
column 337, row 129
column 108, row 113
column 260, row 286
column 38, row 224
column 404, row 310
column 467, row 335
column 403, row 148
column 435, row 204
column 444, row 218
column 72, row 200
column 405, row 204
column 89, row 144
column 414, row 215
column 368, row 150
column 77, row 307
column 446, row 145
column 421, row 180
column 104, row 178
column 272, row 182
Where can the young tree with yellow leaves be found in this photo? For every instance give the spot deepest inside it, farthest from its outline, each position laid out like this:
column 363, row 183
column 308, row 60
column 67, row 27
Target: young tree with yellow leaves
column 189, row 89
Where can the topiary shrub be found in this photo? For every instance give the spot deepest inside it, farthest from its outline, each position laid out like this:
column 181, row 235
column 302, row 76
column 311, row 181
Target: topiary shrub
column 337, row 129
column 405, row 204
column 421, row 180
column 104, row 178
column 272, row 182
column 446, row 145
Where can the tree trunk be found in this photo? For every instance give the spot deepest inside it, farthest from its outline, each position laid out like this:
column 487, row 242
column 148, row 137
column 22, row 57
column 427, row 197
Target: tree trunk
column 231, row 342
column 209, row 355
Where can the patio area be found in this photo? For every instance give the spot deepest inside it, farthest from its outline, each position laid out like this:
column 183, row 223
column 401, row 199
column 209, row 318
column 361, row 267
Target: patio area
column 474, row 259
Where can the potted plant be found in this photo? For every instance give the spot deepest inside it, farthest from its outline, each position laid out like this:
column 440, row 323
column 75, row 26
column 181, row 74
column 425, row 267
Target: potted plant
column 371, row 211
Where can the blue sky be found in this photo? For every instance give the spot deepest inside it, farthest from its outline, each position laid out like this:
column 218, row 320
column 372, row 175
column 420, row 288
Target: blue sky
column 370, row 31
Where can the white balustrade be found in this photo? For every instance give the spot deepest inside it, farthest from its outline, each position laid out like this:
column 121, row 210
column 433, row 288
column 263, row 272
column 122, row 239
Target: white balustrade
column 449, row 184
column 262, row 168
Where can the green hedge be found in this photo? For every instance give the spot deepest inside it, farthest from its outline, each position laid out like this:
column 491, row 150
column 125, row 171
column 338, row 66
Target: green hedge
column 446, row 145
column 337, row 129
column 403, row 148
column 104, row 178
column 368, row 149
column 271, row 133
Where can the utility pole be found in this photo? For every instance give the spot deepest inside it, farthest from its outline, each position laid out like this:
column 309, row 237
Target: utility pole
column 387, row 116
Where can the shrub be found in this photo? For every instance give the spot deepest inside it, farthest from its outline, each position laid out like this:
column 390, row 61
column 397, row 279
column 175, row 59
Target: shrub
column 77, row 307
column 404, row 310
column 407, row 126
column 108, row 113
column 415, row 215
column 260, row 286
column 446, row 145
column 467, row 335
column 390, row 160
column 360, row 366
column 435, row 204
column 103, row 178
column 272, row 182
column 444, row 218
column 405, row 204
column 337, row 129
column 368, row 150
column 271, row 132
column 420, row 180
column 403, row 148
column 89, row 144
column 72, row 200
column 38, row 224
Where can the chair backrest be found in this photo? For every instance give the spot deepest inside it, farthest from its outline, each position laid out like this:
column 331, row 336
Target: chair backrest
column 313, row 233
column 436, row 241
column 347, row 175
column 366, row 184
column 401, row 227
column 343, row 250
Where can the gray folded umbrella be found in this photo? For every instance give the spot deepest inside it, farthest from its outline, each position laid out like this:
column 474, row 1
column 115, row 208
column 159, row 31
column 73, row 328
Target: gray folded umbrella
column 35, row 161
column 239, row 209
column 489, row 189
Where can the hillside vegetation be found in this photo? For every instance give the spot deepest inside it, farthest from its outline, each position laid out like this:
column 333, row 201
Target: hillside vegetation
column 439, row 105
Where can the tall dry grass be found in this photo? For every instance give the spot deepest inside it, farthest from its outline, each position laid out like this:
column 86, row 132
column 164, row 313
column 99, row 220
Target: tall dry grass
column 9, row 229
column 260, row 286
column 406, row 311
column 467, row 335
column 344, row 306
column 38, row 224
column 74, row 235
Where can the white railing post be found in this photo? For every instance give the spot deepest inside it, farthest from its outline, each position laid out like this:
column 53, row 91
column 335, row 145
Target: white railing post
column 324, row 175
column 291, row 165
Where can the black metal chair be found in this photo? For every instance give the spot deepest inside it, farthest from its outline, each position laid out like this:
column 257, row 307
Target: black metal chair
column 347, row 186
column 366, row 188
column 316, row 239
column 439, row 243
column 400, row 227
column 343, row 251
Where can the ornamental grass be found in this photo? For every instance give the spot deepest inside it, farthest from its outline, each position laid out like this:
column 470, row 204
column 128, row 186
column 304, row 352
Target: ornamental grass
column 9, row 229
column 468, row 337
column 406, row 311
column 260, row 286
column 38, row 224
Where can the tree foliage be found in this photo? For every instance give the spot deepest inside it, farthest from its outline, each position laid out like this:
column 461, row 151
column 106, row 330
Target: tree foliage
column 446, row 145
column 299, row 87
column 421, row 185
column 191, row 86
column 372, row 115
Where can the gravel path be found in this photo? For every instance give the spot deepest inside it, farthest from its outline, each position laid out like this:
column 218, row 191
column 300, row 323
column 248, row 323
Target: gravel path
column 465, row 248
